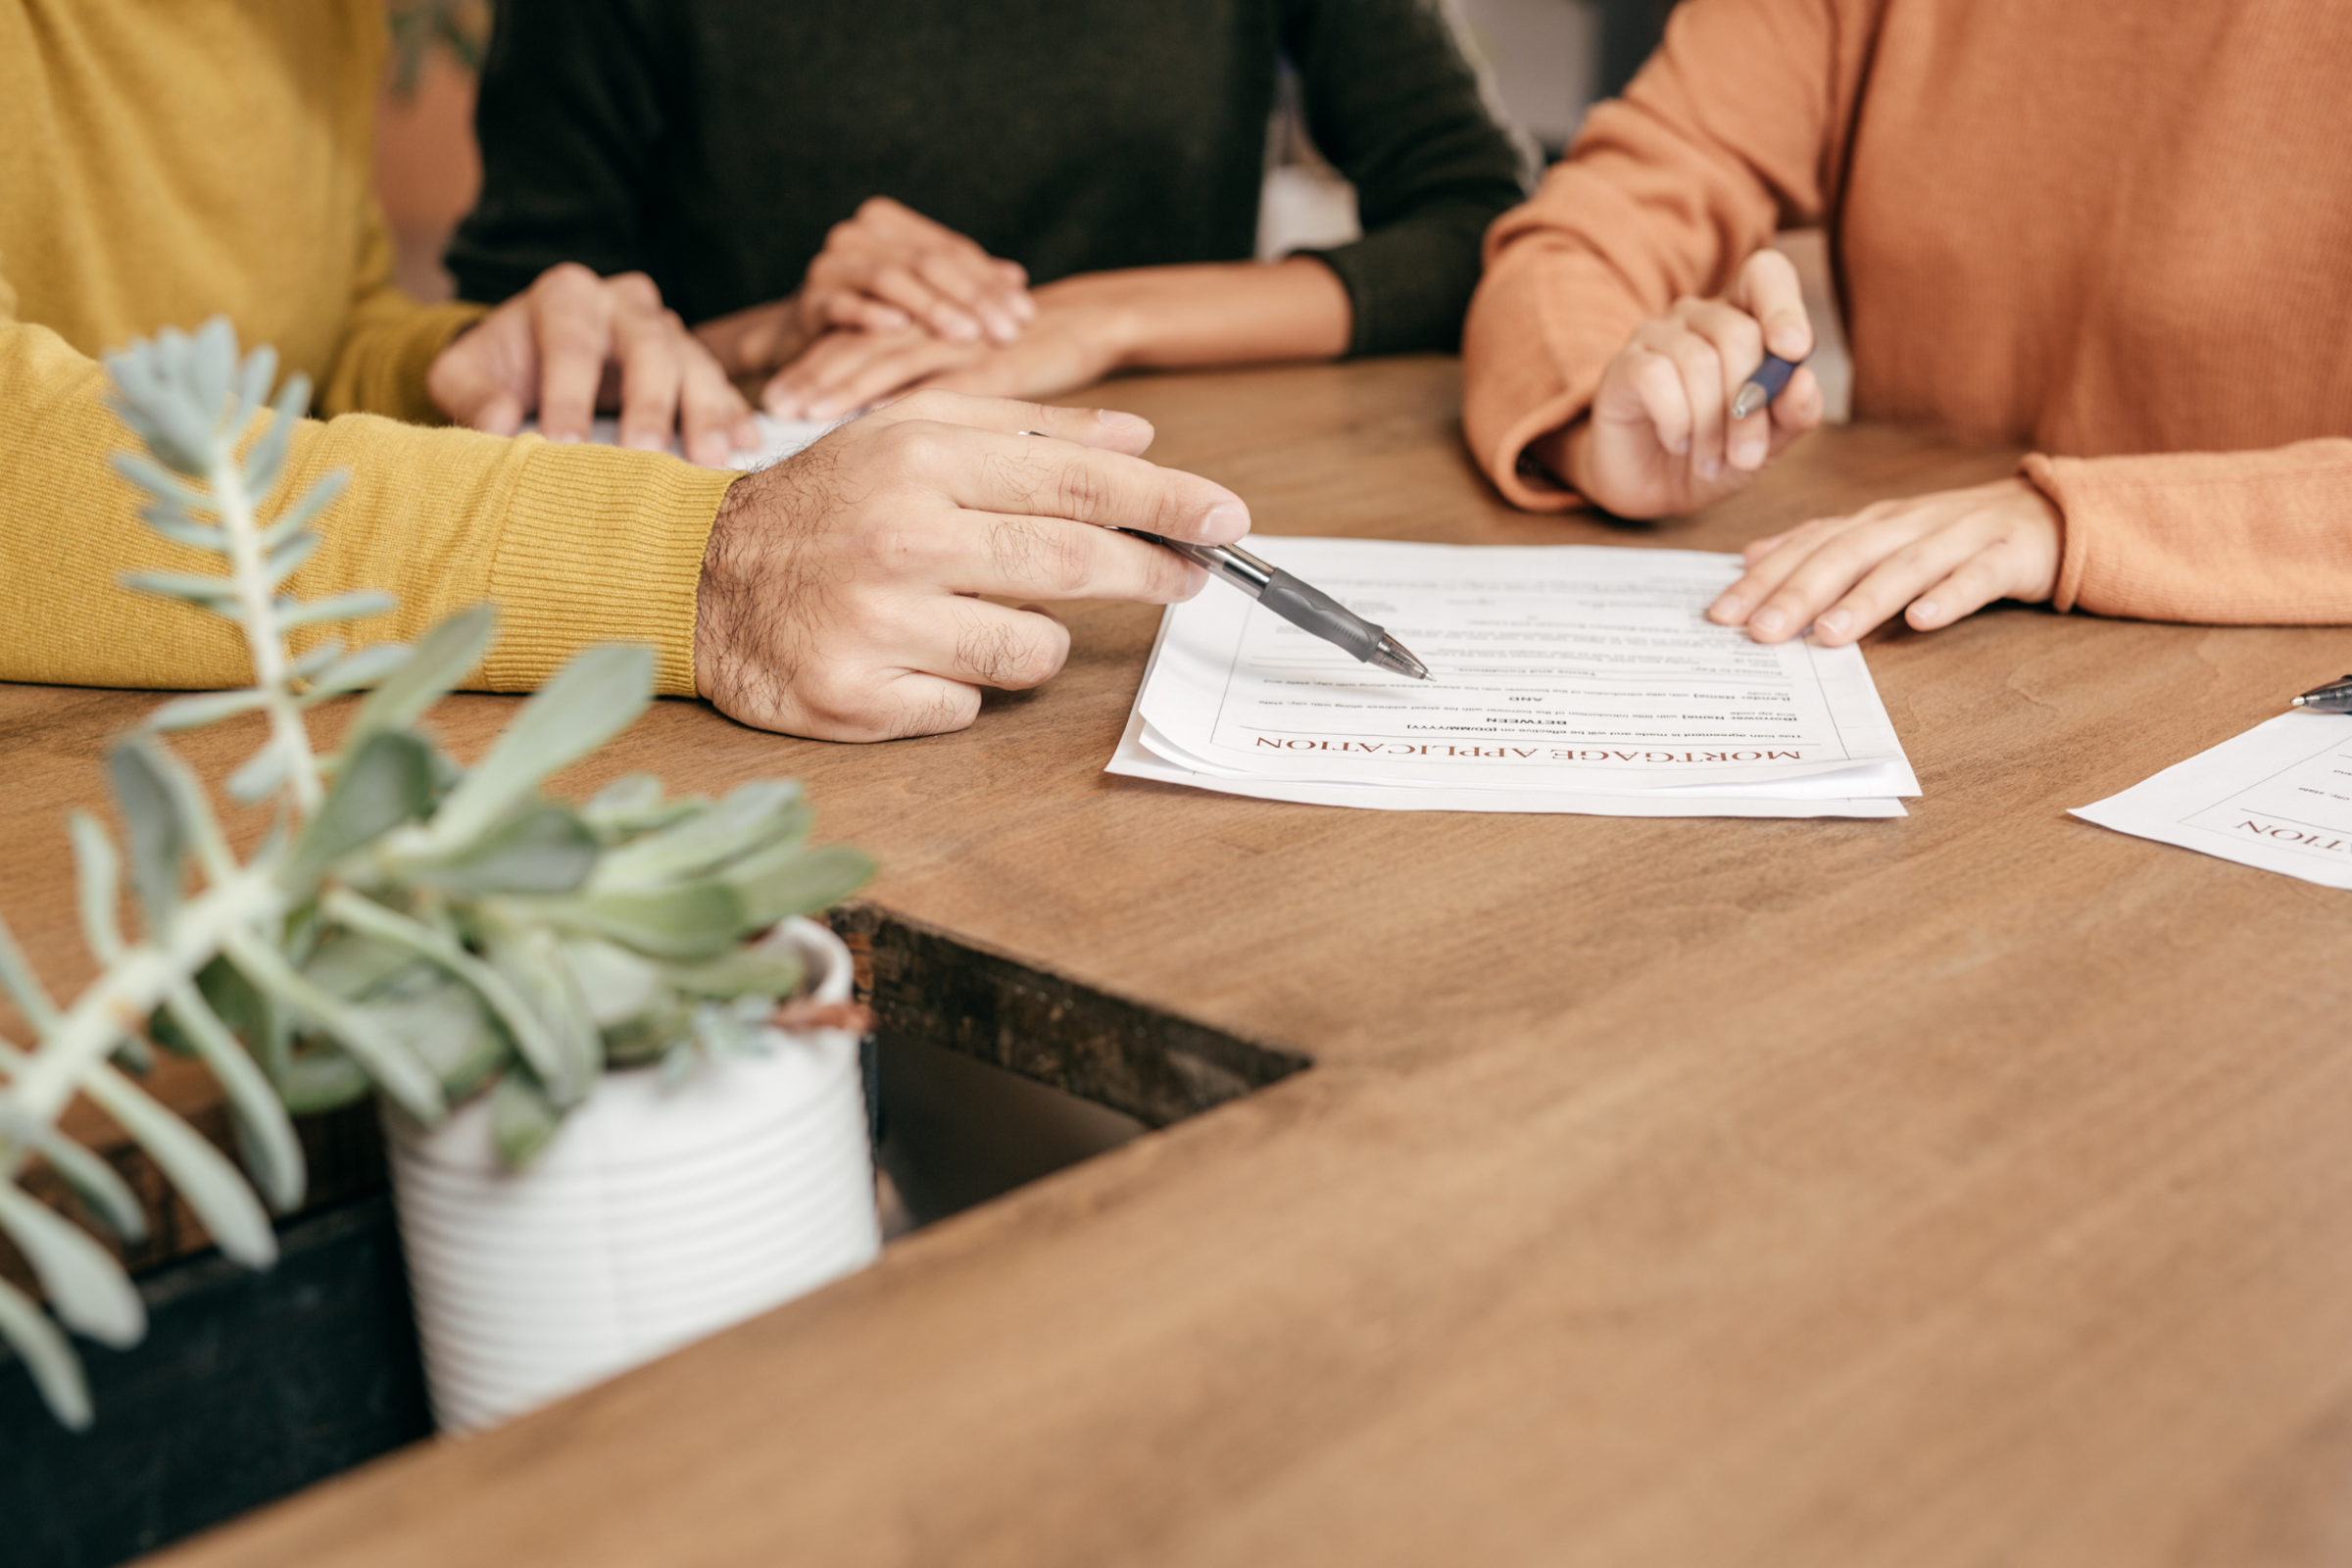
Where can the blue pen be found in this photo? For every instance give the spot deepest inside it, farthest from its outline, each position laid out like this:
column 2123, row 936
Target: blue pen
column 1762, row 387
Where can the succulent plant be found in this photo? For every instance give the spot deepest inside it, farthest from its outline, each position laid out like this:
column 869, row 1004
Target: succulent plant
column 407, row 926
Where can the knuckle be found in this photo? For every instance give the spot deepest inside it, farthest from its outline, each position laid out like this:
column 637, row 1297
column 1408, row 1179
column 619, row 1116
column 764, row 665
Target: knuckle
column 1081, row 492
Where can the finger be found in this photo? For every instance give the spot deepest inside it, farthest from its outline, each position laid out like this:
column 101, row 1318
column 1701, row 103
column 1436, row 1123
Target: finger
column 1738, row 343
column 1702, row 370
column 1015, row 279
column 829, row 361
column 1107, row 428
column 713, row 420
column 859, row 312
column 1897, row 580
column 980, row 644
column 1017, row 475
column 1771, row 563
column 1644, row 387
column 1977, row 582
column 572, row 321
column 1045, row 558
column 870, row 380
column 1832, row 569
column 897, row 284
column 465, row 386
column 963, row 274
column 1767, row 288
column 1797, row 409
column 645, row 343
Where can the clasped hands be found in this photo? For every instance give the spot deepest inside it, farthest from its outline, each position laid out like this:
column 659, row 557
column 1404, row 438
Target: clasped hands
column 1660, row 440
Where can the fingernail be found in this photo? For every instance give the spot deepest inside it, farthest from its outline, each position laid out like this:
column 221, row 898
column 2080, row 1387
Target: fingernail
column 1121, row 422
column 645, row 441
column 1924, row 610
column 1749, row 454
column 567, row 437
column 1196, row 578
column 957, row 329
column 1768, row 622
column 1727, row 610
column 1225, row 522
column 1833, row 624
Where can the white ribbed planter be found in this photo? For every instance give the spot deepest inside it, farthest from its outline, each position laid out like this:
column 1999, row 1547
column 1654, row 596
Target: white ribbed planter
column 656, row 1215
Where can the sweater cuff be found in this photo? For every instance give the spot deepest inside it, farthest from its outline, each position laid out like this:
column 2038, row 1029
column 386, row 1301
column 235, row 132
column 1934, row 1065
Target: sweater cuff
column 382, row 370
column 602, row 545
column 2039, row 471
column 1408, row 285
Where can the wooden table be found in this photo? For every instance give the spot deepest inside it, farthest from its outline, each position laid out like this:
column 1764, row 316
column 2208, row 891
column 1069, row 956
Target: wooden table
column 1974, row 1188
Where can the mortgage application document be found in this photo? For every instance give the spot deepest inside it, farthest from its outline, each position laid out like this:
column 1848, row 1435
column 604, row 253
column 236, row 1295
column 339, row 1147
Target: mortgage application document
column 1561, row 668
column 2278, row 796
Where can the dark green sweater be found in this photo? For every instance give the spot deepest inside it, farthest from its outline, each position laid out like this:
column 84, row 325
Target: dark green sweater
column 712, row 143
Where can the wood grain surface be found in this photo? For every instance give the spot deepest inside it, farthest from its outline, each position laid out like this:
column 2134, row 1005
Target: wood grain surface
column 1967, row 1189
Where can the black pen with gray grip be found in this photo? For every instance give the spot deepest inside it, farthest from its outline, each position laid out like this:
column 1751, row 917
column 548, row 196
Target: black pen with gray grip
column 1303, row 604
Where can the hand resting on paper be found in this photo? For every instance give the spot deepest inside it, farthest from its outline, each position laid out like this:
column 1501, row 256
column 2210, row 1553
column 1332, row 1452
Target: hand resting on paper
column 1660, row 439
column 574, row 343
column 840, row 593
column 1945, row 556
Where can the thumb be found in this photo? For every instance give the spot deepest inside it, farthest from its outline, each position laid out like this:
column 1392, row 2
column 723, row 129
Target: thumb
column 1767, row 289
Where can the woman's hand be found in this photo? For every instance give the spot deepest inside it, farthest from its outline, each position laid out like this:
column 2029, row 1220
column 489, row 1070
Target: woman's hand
column 890, row 267
column 1945, row 555
column 1082, row 333
column 1660, row 438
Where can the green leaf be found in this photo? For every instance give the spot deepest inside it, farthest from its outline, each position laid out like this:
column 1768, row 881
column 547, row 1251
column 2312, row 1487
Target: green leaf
column 268, row 456
column 796, row 881
column 616, row 984
column 322, row 1079
column 208, row 593
column 205, row 707
column 92, row 1179
column 56, row 1370
column 396, row 1068
column 358, row 606
column 317, row 498
column 445, row 656
column 546, row 849
column 172, row 520
column 159, row 842
column 627, row 802
column 535, row 1019
column 523, row 1120
column 287, row 559
column 590, row 700
column 446, row 1024
column 23, row 987
column 263, row 775
column 390, row 781
column 351, row 967
column 253, row 382
column 272, row 1151
column 86, row 1284
column 98, row 879
column 744, row 972
column 697, row 920
column 162, row 483
column 758, row 815
column 366, row 668
column 202, row 1173
column 316, row 660
column 561, row 1046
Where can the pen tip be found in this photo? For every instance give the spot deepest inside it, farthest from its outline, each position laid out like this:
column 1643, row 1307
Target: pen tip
column 2294, row 701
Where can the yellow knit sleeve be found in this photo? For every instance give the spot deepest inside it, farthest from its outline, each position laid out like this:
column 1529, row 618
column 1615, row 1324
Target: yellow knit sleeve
column 389, row 340
column 577, row 544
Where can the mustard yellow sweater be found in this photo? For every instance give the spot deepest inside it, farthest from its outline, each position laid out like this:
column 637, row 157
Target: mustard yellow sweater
column 163, row 163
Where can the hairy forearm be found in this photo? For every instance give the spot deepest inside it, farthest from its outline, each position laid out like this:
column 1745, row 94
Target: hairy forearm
column 1225, row 312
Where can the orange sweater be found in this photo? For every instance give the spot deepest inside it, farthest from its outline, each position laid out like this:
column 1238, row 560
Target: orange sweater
column 2119, row 234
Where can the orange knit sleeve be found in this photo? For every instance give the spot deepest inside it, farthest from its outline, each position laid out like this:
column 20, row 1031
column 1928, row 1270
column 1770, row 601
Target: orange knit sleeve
column 1729, row 132
column 2261, row 538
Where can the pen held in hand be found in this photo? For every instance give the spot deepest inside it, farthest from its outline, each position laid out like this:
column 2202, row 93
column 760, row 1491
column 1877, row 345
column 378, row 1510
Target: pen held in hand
column 1303, row 604
column 1769, row 381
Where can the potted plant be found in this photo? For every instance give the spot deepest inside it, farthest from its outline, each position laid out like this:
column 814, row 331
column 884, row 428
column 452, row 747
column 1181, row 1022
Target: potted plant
column 618, row 1068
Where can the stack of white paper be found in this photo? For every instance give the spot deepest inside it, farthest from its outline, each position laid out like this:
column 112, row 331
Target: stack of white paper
column 1566, row 678
column 778, row 438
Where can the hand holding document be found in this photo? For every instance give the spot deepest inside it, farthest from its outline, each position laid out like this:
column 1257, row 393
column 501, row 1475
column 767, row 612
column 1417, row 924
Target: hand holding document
column 2278, row 796
column 1563, row 678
